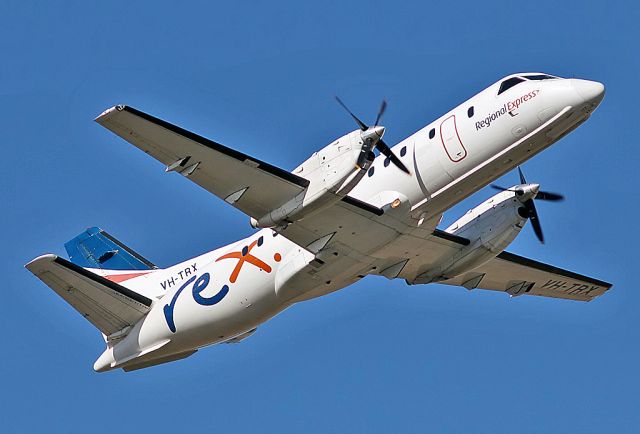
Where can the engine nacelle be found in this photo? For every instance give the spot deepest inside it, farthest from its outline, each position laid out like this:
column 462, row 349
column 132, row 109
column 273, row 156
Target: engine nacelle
column 491, row 227
column 332, row 173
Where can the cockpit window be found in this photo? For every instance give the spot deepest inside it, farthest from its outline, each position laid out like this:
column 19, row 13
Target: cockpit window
column 540, row 77
column 509, row 83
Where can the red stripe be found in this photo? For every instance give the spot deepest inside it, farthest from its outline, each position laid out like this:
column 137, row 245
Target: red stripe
column 122, row 277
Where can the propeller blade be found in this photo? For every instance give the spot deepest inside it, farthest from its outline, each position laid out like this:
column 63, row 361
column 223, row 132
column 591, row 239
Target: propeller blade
column 547, row 195
column 361, row 124
column 497, row 187
column 387, row 152
column 522, row 180
column 383, row 107
column 517, row 191
column 535, row 221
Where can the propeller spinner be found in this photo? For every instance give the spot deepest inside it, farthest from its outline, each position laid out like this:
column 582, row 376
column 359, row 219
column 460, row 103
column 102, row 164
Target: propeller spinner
column 372, row 137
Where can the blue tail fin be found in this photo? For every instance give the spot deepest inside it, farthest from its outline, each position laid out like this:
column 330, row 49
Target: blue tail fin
column 94, row 248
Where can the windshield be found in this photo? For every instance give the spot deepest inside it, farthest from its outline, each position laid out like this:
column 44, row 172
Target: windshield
column 540, row 77
column 509, row 83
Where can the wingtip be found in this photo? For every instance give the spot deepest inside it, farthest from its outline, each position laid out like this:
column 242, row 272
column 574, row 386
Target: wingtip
column 49, row 257
column 108, row 112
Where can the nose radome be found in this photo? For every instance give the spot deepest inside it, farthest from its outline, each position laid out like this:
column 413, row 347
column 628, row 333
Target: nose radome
column 591, row 91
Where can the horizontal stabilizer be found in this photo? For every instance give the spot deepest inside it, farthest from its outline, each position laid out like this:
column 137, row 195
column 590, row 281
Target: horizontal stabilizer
column 108, row 306
column 94, row 248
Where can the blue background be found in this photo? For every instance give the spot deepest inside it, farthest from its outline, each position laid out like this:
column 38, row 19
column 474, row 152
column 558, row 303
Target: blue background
column 260, row 77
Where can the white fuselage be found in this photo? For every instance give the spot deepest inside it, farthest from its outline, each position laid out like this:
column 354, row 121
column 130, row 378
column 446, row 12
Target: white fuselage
column 228, row 292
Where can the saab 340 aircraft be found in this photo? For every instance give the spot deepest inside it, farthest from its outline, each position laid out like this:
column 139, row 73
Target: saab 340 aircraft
column 339, row 216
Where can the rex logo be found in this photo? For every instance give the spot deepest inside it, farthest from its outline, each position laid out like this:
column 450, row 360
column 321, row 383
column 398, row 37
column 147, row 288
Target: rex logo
column 199, row 284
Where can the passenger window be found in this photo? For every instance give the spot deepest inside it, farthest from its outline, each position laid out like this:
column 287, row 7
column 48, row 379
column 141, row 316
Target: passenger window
column 371, row 170
column 509, row 83
column 403, row 151
column 386, row 161
column 470, row 112
column 432, row 133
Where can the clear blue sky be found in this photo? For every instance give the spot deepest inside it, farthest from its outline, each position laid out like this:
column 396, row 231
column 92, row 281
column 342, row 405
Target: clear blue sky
column 260, row 77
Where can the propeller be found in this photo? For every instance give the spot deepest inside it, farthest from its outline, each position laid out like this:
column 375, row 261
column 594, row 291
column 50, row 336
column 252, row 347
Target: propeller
column 529, row 192
column 361, row 124
column 383, row 107
column 372, row 136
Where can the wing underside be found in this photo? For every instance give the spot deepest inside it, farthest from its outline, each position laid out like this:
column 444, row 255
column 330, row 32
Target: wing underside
column 251, row 185
column 517, row 275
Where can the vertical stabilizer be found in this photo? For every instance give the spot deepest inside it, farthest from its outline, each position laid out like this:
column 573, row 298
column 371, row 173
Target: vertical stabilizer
column 94, row 248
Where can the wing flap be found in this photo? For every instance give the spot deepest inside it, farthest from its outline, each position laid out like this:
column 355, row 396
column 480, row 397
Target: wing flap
column 251, row 185
column 108, row 306
column 517, row 275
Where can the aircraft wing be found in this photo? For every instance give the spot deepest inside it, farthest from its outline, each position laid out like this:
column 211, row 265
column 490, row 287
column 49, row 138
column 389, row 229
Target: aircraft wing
column 517, row 275
column 251, row 185
column 256, row 187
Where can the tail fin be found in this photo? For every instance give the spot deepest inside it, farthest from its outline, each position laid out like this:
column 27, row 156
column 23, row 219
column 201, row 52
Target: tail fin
column 94, row 248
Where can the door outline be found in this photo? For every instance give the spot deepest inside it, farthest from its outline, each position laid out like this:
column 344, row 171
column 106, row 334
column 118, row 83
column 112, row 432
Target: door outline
column 442, row 140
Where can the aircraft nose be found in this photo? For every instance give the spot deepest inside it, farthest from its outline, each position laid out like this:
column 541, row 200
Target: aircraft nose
column 591, row 91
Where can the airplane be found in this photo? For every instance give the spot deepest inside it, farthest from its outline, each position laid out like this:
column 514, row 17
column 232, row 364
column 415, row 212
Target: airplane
column 355, row 208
